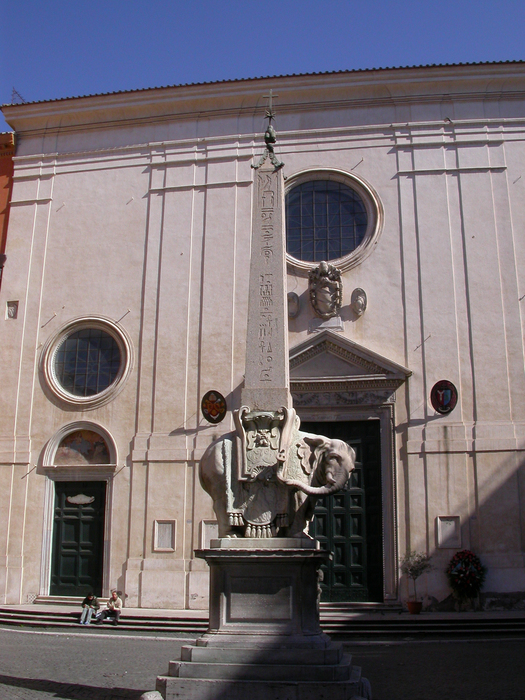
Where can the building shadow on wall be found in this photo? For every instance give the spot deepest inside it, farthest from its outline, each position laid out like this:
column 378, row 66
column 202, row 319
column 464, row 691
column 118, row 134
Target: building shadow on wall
column 489, row 521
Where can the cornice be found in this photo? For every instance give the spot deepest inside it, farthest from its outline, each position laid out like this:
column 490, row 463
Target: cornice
column 298, row 93
column 200, row 148
column 343, row 384
column 357, row 73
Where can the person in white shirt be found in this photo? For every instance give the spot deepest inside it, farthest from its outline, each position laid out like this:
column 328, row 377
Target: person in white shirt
column 113, row 609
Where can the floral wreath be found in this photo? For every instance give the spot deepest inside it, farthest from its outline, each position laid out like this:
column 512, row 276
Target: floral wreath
column 466, row 574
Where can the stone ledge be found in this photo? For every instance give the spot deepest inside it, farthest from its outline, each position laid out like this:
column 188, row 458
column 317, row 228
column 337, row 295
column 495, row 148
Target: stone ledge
column 306, row 672
column 228, row 654
column 256, row 543
column 211, row 689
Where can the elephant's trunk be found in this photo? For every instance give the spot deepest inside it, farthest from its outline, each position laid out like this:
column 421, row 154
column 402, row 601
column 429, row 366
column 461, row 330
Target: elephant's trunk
column 317, row 491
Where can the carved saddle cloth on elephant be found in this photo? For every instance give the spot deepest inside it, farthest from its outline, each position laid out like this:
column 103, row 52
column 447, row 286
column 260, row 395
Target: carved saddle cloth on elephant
column 256, row 493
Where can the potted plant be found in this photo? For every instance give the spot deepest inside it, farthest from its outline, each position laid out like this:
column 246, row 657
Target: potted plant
column 413, row 565
column 466, row 575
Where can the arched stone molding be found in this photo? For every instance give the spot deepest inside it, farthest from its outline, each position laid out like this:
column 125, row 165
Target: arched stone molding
column 87, row 472
column 70, row 473
column 374, row 210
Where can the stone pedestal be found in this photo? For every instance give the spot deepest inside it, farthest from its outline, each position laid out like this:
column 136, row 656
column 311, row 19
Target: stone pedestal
column 264, row 639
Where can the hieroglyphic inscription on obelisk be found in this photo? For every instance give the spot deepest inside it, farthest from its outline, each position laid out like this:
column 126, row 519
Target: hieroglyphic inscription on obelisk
column 266, row 384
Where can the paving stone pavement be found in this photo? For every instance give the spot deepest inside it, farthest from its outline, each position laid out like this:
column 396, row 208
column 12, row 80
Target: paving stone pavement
column 99, row 666
column 80, row 665
column 32, row 689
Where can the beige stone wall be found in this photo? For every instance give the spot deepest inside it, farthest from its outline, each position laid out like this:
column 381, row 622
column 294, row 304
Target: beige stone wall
column 137, row 208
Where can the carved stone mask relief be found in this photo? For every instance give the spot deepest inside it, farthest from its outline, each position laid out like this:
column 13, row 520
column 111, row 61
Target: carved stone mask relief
column 326, row 290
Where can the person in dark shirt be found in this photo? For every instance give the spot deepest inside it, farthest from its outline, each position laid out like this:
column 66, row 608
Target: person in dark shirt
column 89, row 606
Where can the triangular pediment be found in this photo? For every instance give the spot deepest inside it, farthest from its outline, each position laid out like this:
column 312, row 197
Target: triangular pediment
column 329, row 357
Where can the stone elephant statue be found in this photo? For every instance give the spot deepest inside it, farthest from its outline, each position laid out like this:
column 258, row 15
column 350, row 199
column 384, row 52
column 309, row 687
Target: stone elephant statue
column 278, row 498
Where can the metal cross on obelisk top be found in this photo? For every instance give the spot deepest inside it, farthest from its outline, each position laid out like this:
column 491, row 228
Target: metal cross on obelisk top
column 266, row 384
column 269, row 112
column 270, row 136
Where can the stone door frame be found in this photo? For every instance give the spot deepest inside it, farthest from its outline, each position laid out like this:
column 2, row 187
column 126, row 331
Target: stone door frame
column 53, row 473
column 333, row 378
column 47, row 535
column 384, row 412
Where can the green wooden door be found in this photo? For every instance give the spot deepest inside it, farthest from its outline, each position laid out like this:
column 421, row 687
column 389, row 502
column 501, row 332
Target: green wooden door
column 78, row 538
column 349, row 523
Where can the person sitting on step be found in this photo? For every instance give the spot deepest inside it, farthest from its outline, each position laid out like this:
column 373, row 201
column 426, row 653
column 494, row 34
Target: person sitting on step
column 89, row 606
column 113, row 609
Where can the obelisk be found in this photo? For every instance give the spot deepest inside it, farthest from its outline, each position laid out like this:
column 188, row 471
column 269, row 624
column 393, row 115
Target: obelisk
column 266, row 383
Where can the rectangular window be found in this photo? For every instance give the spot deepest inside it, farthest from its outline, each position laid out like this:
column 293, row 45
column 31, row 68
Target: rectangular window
column 164, row 535
column 209, row 531
column 11, row 309
column 448, row 532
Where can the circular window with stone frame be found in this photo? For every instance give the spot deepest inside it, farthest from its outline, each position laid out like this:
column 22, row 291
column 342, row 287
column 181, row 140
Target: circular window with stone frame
column 87, row 362
column 330, row 215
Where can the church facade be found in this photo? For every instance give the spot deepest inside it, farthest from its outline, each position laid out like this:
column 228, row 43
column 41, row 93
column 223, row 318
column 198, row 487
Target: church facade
column 125, row 297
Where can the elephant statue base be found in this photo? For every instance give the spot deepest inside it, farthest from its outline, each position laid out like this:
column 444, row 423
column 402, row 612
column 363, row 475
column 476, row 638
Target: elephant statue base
column 264, row 638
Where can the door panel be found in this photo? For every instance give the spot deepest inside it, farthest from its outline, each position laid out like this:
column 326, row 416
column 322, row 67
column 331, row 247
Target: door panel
column 78, row 538
column 349, row 524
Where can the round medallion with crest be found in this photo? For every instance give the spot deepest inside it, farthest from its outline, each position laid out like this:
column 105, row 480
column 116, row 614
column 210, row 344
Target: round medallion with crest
column 444, row 397
column 213, row 406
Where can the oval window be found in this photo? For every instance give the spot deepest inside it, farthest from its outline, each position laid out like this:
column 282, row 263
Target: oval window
column 331, row 215
column 86, row 363
column 325, row 220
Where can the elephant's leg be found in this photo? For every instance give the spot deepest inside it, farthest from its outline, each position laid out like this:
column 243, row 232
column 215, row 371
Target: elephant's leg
column 219, row 506
column 212, row 469
column 302, row 514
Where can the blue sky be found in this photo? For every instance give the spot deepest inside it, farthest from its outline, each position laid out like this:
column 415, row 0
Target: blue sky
column 62, row 48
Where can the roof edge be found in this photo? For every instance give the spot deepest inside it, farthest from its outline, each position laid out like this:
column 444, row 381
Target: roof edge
column 267, row 77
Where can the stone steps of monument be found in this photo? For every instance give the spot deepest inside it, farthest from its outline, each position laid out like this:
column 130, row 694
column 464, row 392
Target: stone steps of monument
column 329, row 655
column 208, row 688
column 327, row 673
column 360, row 607
column 336, row 623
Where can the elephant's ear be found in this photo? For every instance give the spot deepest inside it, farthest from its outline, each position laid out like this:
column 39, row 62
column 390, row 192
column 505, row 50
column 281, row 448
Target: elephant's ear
column 318, row 445
column 314, row 440
column 303, row 453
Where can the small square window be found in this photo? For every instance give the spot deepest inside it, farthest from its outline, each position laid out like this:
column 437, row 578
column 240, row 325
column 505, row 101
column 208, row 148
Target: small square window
column 11, row 309
column 448, row 531
column 164, row 532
